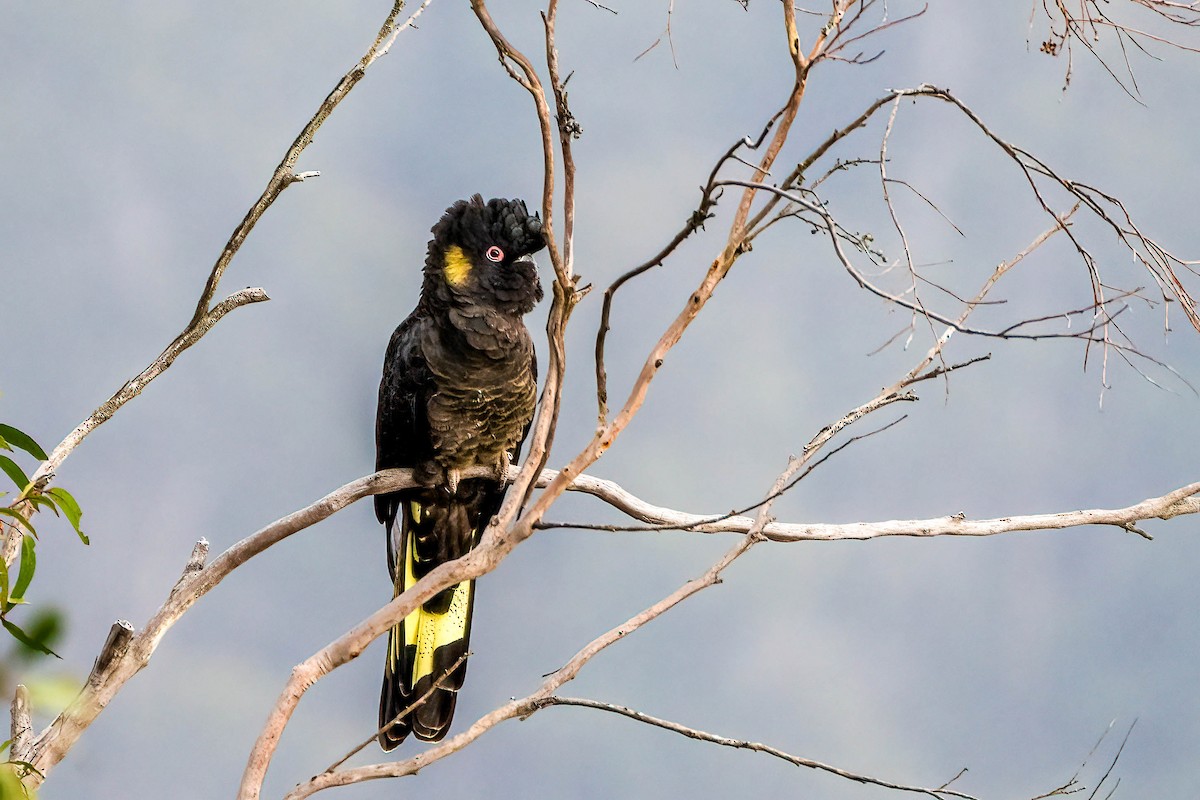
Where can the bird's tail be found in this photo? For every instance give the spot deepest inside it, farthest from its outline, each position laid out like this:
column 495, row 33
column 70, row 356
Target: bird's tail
column 426, row 658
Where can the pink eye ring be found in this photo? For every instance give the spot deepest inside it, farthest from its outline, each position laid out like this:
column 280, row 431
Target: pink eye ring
column 494, row 254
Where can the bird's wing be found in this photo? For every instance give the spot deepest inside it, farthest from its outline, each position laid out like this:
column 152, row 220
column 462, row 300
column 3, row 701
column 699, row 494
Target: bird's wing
column 402, row 436
column 533, row 370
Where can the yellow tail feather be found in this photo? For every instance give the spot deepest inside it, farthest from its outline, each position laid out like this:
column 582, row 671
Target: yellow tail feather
column 427, row 631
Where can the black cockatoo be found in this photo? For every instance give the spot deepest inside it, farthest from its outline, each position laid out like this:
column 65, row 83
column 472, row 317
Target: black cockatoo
column 458, row 391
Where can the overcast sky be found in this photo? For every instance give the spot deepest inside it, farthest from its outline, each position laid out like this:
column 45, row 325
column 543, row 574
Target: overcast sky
column 134, row 137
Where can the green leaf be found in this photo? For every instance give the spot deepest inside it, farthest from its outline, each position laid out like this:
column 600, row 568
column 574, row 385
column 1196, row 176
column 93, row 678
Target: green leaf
column 41, row 500
column 23, row 441
column 70, row 510
column 5, row 445
column 25, row 574
column 5, row 606
column 20, row 520
column 11, row 787
column 15, row 473
column 26, row 639
column 11, row 773
column 46, row 625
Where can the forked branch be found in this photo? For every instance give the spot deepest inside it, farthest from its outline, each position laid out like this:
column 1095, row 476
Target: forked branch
column 206, row 314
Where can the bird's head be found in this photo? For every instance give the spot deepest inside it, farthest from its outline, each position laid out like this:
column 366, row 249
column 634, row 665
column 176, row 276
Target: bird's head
column 481, row 254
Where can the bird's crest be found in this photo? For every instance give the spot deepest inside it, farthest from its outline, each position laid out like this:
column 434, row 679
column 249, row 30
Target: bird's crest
column 480, row 255
column 471, row 231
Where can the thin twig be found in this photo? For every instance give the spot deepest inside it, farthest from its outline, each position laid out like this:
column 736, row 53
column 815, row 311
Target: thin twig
column 742, row 744
column 433, row 687
column 735, row 513
column 565, row 293
column 709, row 195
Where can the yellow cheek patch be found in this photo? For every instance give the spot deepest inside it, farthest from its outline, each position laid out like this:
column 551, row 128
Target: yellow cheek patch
column 457, row 266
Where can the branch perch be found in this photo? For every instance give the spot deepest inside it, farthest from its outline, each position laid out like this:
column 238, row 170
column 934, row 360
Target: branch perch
column 480, row 560
column 120, row 663
column 1180, row 502
column 514, row 708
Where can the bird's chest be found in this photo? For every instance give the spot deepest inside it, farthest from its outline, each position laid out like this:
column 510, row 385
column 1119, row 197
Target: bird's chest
column 484, row 396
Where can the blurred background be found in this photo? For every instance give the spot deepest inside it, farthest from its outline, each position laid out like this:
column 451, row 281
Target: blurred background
column 134, row 137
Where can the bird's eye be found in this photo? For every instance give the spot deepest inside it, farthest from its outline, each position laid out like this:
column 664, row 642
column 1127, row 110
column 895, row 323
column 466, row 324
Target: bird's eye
column 494, row 254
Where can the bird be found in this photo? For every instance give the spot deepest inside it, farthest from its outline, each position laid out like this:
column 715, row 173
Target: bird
column 458, row 390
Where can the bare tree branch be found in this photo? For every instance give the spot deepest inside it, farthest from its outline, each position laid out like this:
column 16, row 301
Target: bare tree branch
column 607, row 434
column 565, row 293
column 413, row 706
column 544, row 696
column 742, row 744
column 205, row 317
column 1164, row 266
column 22, row 725
column 528, row 705
column 132, row 388
column 709, row 194
column 121, row 661
column 1180, row 502
column 284, row 175
column 125, row 654
column 1084, row 23
column 500, row 537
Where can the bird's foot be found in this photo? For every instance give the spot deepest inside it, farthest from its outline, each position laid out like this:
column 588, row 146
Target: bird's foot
column 500, row 469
